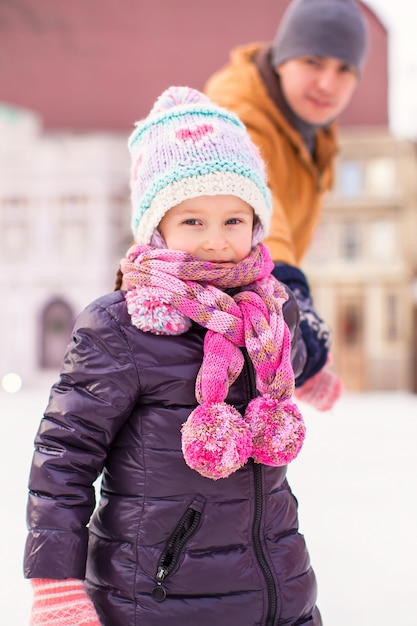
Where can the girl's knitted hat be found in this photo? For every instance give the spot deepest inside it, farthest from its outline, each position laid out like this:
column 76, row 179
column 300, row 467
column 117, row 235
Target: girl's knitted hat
column 326, row 28
column 189, row 147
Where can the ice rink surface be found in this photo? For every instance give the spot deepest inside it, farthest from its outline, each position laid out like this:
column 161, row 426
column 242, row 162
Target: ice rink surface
column 355, row 481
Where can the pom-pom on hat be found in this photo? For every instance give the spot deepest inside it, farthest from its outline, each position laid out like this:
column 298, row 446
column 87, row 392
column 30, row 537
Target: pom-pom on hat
column 189, row 147
column 325, row 28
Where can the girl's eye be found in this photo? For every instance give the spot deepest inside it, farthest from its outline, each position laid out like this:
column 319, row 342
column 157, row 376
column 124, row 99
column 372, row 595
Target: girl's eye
column 233, row 220
column 191, row 222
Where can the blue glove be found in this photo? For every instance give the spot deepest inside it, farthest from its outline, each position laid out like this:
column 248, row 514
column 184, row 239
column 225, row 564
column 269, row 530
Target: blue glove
column 314, row 332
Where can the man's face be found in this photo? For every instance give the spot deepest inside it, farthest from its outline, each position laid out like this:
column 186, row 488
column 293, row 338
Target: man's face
column 317, row 89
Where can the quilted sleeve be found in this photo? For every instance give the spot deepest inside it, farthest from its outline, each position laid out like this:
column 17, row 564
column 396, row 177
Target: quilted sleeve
column 94, row 396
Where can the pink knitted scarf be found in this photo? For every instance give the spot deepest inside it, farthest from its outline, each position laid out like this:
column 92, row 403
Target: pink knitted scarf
column 167, row 289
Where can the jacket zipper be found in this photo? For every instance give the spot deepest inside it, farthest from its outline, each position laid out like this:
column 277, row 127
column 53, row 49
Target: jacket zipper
column 185, row 528
column 257, row 474
column 269, row 579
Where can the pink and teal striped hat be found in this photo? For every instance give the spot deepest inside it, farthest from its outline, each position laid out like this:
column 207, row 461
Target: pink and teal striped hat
column 189, row 147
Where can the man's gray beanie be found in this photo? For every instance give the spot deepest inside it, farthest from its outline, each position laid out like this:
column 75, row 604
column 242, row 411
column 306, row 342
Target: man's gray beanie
column 325, row 28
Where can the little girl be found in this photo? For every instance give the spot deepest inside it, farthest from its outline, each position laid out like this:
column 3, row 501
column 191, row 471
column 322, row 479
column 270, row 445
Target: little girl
column 177, row 391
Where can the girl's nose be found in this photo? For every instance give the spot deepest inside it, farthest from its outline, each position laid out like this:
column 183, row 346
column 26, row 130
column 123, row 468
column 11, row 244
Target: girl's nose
column 215, row 240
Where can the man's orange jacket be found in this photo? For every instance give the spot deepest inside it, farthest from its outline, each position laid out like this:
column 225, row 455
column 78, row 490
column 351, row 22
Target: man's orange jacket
column 297, row 183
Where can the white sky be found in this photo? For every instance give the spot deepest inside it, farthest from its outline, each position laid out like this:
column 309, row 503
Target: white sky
column 400, row 19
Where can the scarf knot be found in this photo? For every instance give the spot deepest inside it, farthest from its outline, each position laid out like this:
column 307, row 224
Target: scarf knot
column 166, row 289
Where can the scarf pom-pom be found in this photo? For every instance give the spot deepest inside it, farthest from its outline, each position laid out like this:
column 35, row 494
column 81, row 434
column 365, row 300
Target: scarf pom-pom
column 277, row 428
column 151, row 313
column 216, row 441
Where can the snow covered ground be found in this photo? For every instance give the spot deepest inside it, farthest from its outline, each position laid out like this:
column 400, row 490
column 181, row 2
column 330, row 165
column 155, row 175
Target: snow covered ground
column 356, row 485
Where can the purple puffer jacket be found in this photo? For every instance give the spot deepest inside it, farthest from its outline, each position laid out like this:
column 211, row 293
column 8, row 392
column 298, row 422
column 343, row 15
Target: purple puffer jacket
column 165, row 546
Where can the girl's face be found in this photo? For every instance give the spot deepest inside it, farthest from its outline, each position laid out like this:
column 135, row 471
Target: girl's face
column 317, row 89
column 213, row 228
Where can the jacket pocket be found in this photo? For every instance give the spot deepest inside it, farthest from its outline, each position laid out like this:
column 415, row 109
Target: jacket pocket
column 184, row 530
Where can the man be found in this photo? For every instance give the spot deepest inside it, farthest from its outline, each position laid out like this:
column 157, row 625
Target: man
column 289, row 95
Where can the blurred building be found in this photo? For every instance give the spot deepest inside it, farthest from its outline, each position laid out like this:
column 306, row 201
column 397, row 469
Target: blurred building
column 362, row 262
column 73, row 79
column 64, row 224
column 101, row 64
